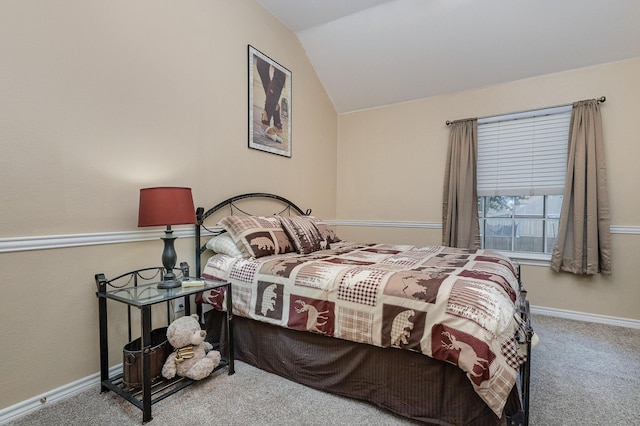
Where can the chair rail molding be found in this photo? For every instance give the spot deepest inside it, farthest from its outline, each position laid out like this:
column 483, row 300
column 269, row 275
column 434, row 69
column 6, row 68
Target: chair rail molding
column 384, row 224
column 45, row 242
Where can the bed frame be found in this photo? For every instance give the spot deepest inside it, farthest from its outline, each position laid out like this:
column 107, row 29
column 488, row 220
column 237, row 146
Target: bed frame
column 361, row 371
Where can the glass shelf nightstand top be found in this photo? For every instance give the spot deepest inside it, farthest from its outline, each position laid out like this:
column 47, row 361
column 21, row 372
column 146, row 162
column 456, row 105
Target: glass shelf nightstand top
column 149, row 294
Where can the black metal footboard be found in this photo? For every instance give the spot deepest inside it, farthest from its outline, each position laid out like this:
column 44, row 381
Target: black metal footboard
column 524, row 338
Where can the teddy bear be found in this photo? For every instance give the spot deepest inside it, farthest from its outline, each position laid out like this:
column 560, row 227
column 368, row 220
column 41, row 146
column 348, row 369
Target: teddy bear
column 192, row 356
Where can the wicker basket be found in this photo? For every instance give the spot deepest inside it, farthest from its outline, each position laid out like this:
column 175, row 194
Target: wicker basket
column 132, row 358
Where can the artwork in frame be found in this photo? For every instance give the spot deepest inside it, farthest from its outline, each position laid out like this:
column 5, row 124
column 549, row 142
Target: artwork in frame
column 269, row 104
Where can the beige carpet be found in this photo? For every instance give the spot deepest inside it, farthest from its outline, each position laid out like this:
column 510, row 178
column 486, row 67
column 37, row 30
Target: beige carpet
column 585, row 374
column 582, row 374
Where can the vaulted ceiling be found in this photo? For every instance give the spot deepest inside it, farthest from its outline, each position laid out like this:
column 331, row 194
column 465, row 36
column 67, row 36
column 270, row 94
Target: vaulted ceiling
column 370, row 53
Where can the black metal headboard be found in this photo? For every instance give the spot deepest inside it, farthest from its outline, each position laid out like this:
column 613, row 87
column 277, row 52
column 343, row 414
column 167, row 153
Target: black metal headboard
column 201, row 215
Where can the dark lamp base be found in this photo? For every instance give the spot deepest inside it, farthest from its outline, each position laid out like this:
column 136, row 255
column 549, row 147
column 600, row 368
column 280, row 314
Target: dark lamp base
column 169, row 259
column 169, row 284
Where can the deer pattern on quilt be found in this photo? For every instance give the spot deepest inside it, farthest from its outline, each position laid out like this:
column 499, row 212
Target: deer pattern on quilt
column 313, row 315
column 315, row 319
column 461, row 349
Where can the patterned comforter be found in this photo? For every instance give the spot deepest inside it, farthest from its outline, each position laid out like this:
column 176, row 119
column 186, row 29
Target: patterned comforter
column 450, row 304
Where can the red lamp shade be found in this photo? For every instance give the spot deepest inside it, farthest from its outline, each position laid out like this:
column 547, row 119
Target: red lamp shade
column 166, row 206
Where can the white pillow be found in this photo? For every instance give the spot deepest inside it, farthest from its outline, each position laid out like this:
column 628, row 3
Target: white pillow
column 224, row 244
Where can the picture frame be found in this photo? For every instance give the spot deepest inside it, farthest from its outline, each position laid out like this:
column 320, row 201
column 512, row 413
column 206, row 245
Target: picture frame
column 269, row 104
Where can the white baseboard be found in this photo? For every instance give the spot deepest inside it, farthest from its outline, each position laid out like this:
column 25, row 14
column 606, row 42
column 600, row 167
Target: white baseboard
column 23, row 408
column 582, row 316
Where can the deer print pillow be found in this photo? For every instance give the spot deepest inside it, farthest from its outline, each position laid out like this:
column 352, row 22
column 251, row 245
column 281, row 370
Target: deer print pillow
column 304, row 234
column 257, row 236
column 327, row 233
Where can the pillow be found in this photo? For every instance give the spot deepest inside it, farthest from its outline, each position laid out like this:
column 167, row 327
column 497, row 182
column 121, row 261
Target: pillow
column 304, row 234
column 257, row 236
column 327, row 233
column 224, row 244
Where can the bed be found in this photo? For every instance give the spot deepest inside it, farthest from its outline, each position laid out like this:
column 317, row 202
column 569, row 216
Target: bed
column 435, row 334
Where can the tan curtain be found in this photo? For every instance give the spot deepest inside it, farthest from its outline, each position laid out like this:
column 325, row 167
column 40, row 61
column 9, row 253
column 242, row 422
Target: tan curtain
column 584, row 242
column 460, row 227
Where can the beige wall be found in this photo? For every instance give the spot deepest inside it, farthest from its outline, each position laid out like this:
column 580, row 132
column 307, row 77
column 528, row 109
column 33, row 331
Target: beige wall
column 101, row 98
column 391, row 168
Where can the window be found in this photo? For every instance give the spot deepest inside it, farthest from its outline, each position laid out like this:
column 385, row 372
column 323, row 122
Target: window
column 519, row 223
column 522, row 161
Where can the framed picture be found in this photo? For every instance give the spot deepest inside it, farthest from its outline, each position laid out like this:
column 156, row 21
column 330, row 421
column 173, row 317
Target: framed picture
column 269, row 104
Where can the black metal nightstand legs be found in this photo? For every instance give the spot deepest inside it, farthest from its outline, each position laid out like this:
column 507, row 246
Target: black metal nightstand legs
column 104, row 341
column 146, row 363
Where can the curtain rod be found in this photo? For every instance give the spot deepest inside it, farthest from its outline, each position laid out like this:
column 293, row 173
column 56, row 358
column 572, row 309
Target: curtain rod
column 600, row 100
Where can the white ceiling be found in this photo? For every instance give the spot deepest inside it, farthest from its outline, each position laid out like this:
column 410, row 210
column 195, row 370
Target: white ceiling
column 370, row 53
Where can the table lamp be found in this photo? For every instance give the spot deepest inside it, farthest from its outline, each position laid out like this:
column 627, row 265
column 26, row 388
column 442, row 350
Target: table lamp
column 166, row 206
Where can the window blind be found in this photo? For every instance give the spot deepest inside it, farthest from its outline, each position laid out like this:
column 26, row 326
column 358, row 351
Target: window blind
column 523, row 153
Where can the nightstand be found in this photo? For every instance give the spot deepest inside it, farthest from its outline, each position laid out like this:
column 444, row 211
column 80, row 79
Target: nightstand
column 143, row 297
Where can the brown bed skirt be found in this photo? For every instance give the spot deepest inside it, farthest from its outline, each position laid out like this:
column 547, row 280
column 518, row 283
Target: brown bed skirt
column 406, row 383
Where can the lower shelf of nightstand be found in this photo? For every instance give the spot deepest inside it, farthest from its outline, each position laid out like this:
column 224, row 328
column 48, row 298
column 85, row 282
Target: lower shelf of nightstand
column 160, row 388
